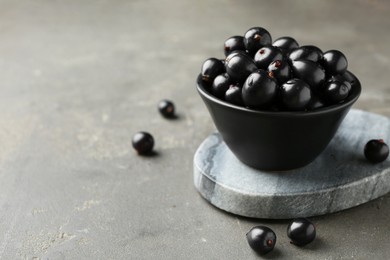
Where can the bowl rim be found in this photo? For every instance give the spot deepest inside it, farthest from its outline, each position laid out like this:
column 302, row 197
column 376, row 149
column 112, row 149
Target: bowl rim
column 356, row 91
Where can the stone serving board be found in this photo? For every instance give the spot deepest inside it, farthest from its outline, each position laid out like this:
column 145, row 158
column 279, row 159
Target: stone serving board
column 340, row 178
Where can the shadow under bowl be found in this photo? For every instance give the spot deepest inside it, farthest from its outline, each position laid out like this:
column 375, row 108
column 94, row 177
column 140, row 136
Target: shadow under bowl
column 276, row 140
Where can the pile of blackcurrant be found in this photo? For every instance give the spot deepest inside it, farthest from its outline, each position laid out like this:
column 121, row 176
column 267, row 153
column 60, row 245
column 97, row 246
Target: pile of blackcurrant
column 279, row 76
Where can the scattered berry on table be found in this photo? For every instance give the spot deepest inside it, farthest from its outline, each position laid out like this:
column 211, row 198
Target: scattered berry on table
column 143, row 143
column 166, row 108
column 261, row 239
column 376, row 150
column 301, row 231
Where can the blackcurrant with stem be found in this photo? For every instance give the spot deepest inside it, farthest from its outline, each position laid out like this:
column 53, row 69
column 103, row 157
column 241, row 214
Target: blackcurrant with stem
column 211, row 68
column 234, row 43
column 255, row 38
column 166, row 108
column 261, row 239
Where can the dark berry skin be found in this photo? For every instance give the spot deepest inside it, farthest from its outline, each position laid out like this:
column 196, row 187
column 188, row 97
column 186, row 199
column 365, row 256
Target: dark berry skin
column 335, row 91
column 234, row 95
column 306, row 52
column 259, row 90
column 261, row 239
column 234, row 43
column 334, row 62
column 295, row 94
column 221, row 83
column 255, row 38
column 301, row 231
column 211, row 68
column 143, row 143
column 310, row 72
column 315, row 103
column 265, row 55
column 286, row 44
column 341, row 79
column 280, row 70
column 376, row 151
column 350, row 78
column 166, row 108
column 239, row 66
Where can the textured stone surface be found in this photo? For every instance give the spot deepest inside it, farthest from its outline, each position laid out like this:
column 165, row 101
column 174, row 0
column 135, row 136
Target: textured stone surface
column 79, row 78
column 338, row 179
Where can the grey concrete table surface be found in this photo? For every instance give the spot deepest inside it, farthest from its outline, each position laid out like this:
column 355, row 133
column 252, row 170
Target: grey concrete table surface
column 79, row 78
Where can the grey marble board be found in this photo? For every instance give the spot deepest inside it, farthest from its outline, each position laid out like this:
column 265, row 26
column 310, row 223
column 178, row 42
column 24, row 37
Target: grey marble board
column 340, row 178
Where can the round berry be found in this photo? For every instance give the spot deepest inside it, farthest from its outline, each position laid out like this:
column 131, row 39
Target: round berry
column 376, row 151
column 266, row 55
column 143, row 142
column 255, row 38
column 306, row 52
column 234, row 95
column 166, row 108
column 220, row 85
column 310, row 72
column 295, row 94
column 280, row 70
column 234, row 43
column 334, row 62
column 259, row 90
column 286, row 44
column 342, row 79
column 301, row 231
column 348, row 76
column 335, row 91
column 261, row 239
column 211, row 68
column 239, row 66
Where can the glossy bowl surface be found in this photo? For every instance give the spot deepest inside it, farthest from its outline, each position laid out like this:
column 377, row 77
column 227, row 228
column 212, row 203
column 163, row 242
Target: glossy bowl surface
column 276, row 140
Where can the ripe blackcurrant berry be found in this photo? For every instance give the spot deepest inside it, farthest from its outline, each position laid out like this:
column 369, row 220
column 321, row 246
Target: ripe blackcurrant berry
column 301, row 231
column 261, row 239
column 306, row 52
column 295, row 94
column 280, row 70
column 234, row 95
column 239, row 66
column 220, row 85
column 266, row 55
column 310, row 72
column 234, row 43
column 259, row 90
column 335, row 91
column 143, row 142
column 334, row 62
column 376, row 151
column 211, row 68
column 255, row 38
column 286, row 44
column 166, row 108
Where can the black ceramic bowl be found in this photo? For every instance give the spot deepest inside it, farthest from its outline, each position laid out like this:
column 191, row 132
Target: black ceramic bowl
column 274, row 141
